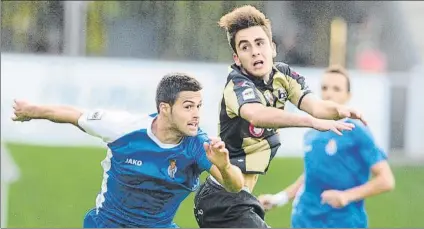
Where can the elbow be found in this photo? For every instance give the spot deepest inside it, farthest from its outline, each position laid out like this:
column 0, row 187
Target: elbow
column 389, row 183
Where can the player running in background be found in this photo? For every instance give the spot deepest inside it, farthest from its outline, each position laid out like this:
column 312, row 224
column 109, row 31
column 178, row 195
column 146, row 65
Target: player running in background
column 252, row 109
column 153, row 161
column 332, row 190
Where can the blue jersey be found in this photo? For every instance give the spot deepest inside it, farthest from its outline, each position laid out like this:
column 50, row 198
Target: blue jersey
column 144, row 180
column 335, row 162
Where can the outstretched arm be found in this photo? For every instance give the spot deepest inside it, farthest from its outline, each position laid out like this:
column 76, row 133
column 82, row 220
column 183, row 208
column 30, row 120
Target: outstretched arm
column 327, row 109
column 242, row 99
column 24, row 111
column 102, row 124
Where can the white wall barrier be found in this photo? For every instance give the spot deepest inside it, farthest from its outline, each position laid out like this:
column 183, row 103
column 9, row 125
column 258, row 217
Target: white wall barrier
column 131, row 84
column 414, row 133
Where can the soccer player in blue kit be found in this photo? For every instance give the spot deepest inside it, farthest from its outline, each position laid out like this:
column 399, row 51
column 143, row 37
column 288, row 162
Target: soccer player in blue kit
column 153, row 161
column 335, row 182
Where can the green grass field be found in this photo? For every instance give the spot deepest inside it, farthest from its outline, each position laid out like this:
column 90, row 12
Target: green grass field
column 58, row 185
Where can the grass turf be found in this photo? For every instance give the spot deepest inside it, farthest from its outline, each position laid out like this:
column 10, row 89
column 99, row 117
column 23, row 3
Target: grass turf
column 59, row 184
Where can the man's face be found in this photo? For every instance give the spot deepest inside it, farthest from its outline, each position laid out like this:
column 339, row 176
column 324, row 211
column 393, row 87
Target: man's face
column 255, row 52
column 185, row 113
column 334, row 88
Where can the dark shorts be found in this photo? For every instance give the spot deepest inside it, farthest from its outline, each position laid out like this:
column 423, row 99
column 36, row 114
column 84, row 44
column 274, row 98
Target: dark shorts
column 215, row 207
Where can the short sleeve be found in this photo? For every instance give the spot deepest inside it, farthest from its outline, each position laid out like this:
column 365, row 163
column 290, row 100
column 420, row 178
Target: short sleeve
column 368, row 149
column 296, row 85
column 201, row 159
column 107, row 125
column 238, row 92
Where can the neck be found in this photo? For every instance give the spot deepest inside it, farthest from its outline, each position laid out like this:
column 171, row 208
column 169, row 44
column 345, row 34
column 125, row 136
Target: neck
column 165, row 132
column 264, row 78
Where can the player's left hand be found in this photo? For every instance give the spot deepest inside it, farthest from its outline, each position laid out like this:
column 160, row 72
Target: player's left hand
column 217, row 153
column 335, row 198
column 347, row 112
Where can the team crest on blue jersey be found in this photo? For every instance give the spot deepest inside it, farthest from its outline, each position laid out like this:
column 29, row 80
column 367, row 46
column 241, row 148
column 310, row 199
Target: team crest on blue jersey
column 172, row 168
column 331, row 147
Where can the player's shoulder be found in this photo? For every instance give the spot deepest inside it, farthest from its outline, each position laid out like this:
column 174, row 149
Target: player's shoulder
column 237, row 77
column 111, row 125
column 119, row 116
column 282, row 67
column 288, row 71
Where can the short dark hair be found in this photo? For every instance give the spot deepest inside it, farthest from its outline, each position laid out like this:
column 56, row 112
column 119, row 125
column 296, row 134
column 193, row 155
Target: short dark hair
column 242, row 18
column 338, row 69
column 172, row 84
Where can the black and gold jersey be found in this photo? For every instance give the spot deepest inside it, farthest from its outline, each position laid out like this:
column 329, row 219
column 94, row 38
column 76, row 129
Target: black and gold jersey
column 252, row 148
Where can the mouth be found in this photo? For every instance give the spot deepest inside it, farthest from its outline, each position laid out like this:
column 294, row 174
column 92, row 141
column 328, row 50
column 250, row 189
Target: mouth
column 193, row 124
column 258, row 63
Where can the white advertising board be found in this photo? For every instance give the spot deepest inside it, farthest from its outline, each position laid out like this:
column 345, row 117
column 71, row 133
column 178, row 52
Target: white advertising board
column 131, row 85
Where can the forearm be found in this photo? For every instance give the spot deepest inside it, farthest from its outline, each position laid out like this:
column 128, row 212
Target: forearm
column 375, row 186
column 270, row 117
column 232, row 178
column 324, row 109
column 294, row 188
column 57, row 114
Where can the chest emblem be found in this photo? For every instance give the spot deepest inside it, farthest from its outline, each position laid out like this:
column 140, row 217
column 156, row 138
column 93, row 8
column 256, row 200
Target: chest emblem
column 172, row 168
column 331, row 147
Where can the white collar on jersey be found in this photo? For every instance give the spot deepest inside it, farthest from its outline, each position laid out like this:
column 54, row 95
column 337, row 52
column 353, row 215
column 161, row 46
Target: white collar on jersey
column 155, row 139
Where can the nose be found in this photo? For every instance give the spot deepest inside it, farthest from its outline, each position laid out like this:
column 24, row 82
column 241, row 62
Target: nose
column 255, row 51
column 326, row 95
column 196, row 112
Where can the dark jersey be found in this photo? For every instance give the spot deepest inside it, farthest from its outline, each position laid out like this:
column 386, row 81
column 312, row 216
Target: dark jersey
column 252, row 148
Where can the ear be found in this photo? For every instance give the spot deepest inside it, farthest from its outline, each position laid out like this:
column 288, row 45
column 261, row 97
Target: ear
column 236, row 60
column 274, row 50
column 164, row 108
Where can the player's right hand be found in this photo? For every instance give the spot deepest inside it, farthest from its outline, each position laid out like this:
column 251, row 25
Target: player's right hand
column 217, row 153
column 23, row 111
column 331, row 125
column 266, row 201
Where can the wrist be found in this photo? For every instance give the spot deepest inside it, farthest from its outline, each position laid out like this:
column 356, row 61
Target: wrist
column 225, row 167
column 349, row 196
column 312, row 121
column 36, row 112
column 280, row 198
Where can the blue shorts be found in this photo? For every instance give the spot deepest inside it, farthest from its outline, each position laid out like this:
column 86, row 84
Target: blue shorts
column 91, row 221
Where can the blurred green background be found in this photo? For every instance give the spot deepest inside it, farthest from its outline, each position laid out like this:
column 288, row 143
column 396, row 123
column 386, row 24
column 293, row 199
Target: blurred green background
column 58, row 185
